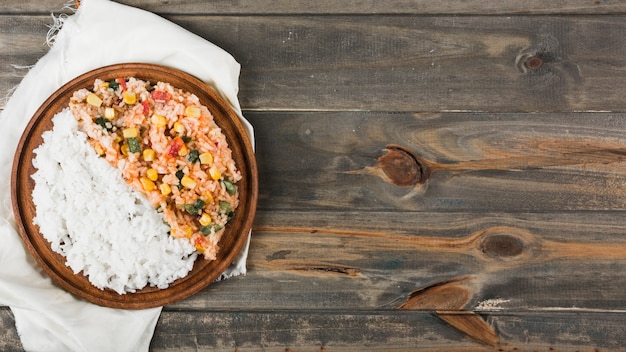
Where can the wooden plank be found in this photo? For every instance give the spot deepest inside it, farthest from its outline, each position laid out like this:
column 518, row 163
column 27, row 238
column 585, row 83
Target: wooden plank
column 9, row 339
column 459, row 161
column 419, row 7
column 380, row 261
column 403, row 63
column 373, row 331
column 368, row 331
column 23, row 42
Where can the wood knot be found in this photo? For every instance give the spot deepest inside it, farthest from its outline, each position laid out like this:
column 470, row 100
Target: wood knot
column 530, row 62
column 534, row 63
column 507, row 243
column 402, row 167
column 502, row 245
column 443, row 296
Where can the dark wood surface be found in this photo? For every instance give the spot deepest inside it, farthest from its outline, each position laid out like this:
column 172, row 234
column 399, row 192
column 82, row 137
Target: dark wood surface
column 433, row 175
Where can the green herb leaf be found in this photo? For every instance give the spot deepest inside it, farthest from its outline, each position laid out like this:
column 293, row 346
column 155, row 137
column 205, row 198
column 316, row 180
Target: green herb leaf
column 193, row 156
column 179, row 174
column 104, row 123
column 133, row 145
column 210, row 229
column 230, row 187
column 114, row 85
column 190, row 209
column 224, row 206
column 199, row 204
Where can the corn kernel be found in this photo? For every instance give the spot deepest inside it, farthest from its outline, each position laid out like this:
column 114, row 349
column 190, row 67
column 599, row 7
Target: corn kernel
column 103, row 85
column 183, row 151
column 130, row 98
column 131, row 132
column 206, row 158
column 152, row 174
column 165, row 189
column 215, row 173
column 158, row 120
column 192, row 111
column 179, row 128
column 209, row 197
column 94, row 100
column 148, row 154
column 124, row 149
column 205, row 219
column 109, row 113
column 188, row 182
column 147, row 184
column 99, row 149
column 188, row 231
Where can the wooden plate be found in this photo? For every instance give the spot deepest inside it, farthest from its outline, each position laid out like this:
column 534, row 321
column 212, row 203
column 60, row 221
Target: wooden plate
column 204, row 272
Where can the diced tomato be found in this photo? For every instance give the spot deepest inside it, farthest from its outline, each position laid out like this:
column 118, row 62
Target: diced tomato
column 146, row 107
column 199, row 243
column 122, row 83
column 175, row 145
column 160, row 95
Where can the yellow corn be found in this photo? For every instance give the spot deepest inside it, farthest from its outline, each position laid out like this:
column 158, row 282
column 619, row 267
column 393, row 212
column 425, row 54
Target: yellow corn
column 147, row 184
column 124, row 149
column 188, row 182
column 130, row 132
column 215, row 173
column 148, row 154
column 130, row 98
column 152, row 174
column 188, row 231
column 183, row 150
column 109, row 113
column 94, row 100
column 205, row 219
column 165, row 189
column 192, row 111
column 103, row 85
column 209, row 197
column 99, row 149
column 179, row 128
column 158, row 120
column 206, row 158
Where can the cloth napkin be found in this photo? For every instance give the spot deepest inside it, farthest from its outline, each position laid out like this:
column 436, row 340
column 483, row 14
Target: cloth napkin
column 99, row 33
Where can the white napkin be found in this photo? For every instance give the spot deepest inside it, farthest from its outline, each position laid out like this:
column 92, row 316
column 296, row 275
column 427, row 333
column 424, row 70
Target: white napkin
column 100, row 33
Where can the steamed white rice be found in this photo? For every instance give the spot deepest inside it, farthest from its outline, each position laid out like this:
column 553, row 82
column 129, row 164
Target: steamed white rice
column 101, row 225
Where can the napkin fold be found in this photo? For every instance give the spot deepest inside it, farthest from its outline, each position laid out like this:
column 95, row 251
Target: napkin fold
column 100, row 33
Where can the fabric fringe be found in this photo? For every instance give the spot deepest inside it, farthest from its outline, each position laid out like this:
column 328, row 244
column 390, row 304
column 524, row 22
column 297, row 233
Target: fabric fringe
column 57, row 21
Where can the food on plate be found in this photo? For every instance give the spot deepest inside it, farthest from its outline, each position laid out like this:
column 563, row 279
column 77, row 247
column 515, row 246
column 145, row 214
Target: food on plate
column 167, row 146
column 98, row 222
column 164, row 147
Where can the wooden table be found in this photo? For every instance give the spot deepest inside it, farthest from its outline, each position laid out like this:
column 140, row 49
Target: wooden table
column 442, row 176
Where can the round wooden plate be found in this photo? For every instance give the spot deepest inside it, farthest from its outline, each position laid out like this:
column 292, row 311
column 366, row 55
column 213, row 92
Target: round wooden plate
column 204, row 272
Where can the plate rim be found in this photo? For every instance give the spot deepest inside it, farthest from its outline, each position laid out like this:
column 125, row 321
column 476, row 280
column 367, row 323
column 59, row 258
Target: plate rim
column 148, row 297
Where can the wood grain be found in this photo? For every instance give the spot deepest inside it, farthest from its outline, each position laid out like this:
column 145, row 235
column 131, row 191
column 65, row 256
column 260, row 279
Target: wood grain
column 377, row 261
column 366, row 331
column 477, row 161
column 372, row 331
column 436, row 63
column 419, row 7
column 443, row 176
